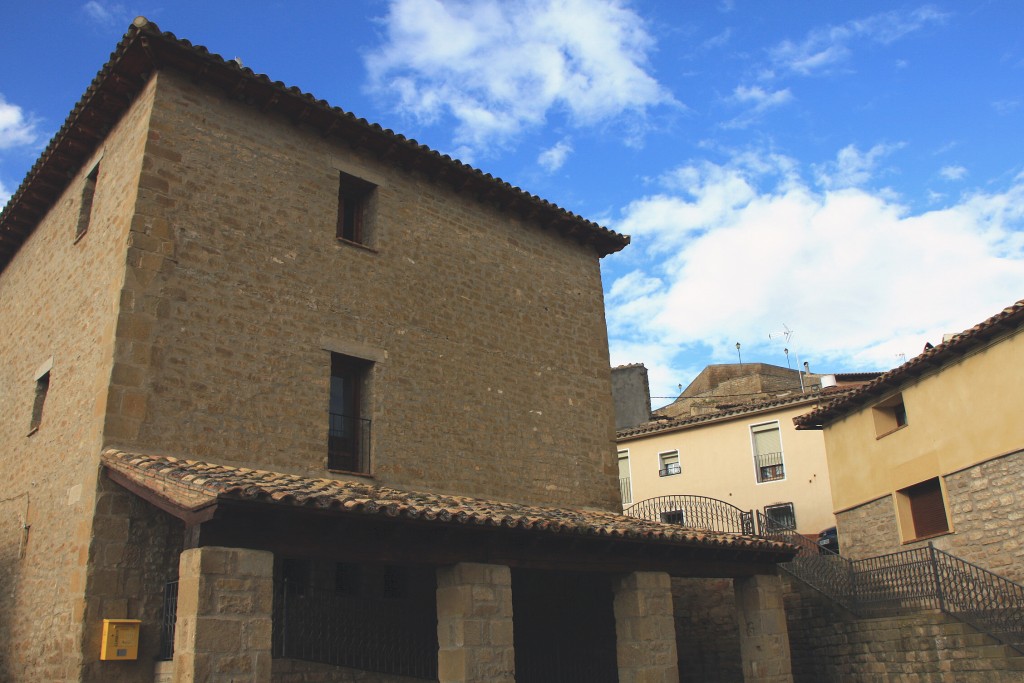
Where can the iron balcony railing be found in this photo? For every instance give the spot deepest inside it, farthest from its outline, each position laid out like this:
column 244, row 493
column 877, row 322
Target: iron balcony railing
column 168, row 620
column 348, row 443
column 920, row 578
column 695, row 512
column 770, row 466
column 625, row 490
column 670, row 469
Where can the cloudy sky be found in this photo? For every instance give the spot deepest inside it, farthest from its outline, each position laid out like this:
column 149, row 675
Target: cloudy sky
column 852, row 173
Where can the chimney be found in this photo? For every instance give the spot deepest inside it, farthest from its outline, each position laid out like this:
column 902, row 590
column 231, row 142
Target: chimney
column 631, row 394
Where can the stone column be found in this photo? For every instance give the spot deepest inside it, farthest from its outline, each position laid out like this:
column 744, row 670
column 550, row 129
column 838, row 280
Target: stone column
column 645, row 630
column 225, row 603
column 474, row 624
column 764, row 639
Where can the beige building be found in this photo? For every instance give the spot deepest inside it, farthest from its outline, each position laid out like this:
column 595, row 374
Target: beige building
column 310, row 401
column 933, row 451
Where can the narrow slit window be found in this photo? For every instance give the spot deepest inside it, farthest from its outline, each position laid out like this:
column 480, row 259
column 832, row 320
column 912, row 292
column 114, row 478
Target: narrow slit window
column 85, row 209
column 42, row 388
column 348, row 437
column 353, row 206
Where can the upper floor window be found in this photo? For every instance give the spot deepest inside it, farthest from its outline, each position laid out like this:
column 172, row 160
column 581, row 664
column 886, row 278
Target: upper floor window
column 625, row 488
column 668, row 463
column 768, row 461
column 354, row 196
column 348, row 436
column 85, row 208
column 889, row 415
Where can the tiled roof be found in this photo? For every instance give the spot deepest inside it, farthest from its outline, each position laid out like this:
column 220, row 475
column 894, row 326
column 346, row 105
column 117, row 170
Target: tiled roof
column 1010, row 318
column 145, row 49
column 666, row 425
column 191, row 484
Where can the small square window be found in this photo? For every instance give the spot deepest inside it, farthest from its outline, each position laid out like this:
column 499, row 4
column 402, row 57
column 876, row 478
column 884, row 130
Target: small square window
column 922, row 510
column 780, row 516
column 674, row 517
column 668, row 464
column 85, row 208
column 889, row 415
column 354, row 196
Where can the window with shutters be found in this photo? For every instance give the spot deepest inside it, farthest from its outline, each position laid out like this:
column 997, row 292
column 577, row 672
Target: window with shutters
column 922, row 510
column 625, row 486
column 668, row 464
column 768, row 461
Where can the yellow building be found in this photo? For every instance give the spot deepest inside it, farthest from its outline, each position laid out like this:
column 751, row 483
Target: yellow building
column 933, row 450
column 749, row 455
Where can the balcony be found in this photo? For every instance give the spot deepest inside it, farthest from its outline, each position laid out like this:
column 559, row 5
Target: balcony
column 769, row 467
column 670, row 469
column 348, row 443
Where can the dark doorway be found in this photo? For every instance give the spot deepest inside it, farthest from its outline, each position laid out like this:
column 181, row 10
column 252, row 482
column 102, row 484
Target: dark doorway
column 564, row 627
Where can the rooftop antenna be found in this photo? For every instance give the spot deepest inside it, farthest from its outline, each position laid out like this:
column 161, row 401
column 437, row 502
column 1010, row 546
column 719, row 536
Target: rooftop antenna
column 740, row 355
column 787, row 334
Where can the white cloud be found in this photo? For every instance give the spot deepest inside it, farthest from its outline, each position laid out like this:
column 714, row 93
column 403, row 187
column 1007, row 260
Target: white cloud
column 856, row 275
column 853, row 168
column 5, row 194
column 953, row 172
column 758, row 100
column 498, row 68
column 107, row 14
column 552, row 159
column 827, row 47
column 16, row 129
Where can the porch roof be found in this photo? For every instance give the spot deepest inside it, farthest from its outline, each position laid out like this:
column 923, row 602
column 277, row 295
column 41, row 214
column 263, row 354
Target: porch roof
column 191, row 490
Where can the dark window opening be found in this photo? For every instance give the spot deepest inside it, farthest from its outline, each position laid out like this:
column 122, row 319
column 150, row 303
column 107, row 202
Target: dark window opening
column 927, row 509
column 899, row 412
column 781, row 515
column 348, row 579
column 674, row 517
column 295, row 575
column 348, row 436
column 353, row 200
column 42, row 388
column 85, row 210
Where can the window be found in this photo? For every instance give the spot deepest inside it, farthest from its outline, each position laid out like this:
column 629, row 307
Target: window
column 296, row 575
column 780, row 516
column 42, row 388
column 674, row 517
column 625, row 489
column 889, row 415
column 348, row 436
column 354, row 196
column 768, row 462
column 922, row 510
column 348, row 579
column 85, row 209
column 669, row 463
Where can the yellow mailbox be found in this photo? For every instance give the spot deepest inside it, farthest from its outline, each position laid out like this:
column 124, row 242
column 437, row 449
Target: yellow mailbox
column 120, row 639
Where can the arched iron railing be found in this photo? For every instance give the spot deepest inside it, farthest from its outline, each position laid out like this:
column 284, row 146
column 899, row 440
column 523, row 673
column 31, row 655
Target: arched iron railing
column 695, row 512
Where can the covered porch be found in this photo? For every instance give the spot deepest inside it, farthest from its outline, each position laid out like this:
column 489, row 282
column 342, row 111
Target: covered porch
column 283, row 577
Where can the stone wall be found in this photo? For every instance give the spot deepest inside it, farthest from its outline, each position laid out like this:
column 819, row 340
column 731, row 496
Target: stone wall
column 985, row 508
column 493, row 377
column 58, row 301
column 707, row 635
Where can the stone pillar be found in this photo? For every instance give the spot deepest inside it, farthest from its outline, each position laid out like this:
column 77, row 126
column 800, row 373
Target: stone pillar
column 474, row 624
column 764, row 640
column 225, row 604
column 645, row 630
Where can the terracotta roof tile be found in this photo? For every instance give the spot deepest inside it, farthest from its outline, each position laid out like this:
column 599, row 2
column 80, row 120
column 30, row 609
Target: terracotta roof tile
column 192, row 484
column 1010, row 318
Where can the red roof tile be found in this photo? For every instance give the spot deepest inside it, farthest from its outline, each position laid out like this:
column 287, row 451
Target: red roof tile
column 192, row 484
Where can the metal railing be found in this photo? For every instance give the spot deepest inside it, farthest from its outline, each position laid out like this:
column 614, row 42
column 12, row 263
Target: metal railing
column 916, row 579
column 168, row 620
column 625, row 490
column 366, row 633
column 695, row 512
column 670, row 469
column 770, row 466
column 348, row 443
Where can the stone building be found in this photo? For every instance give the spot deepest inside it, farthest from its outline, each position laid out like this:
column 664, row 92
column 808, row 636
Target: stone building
column 340, row 401
column 933, row 451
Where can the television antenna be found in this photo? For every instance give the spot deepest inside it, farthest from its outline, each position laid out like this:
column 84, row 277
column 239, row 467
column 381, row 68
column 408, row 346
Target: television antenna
column 787, row 335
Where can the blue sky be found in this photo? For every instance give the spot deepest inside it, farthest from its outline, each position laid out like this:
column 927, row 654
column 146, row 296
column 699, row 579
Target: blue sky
column 851, row 172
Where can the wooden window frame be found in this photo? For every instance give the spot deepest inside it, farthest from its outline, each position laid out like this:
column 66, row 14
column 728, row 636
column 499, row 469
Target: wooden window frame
column 354, row 195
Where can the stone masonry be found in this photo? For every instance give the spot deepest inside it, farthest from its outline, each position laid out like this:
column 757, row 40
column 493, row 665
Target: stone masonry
column 225, row 603
column 474, row 624
column 764, row 638
column 644, row 629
